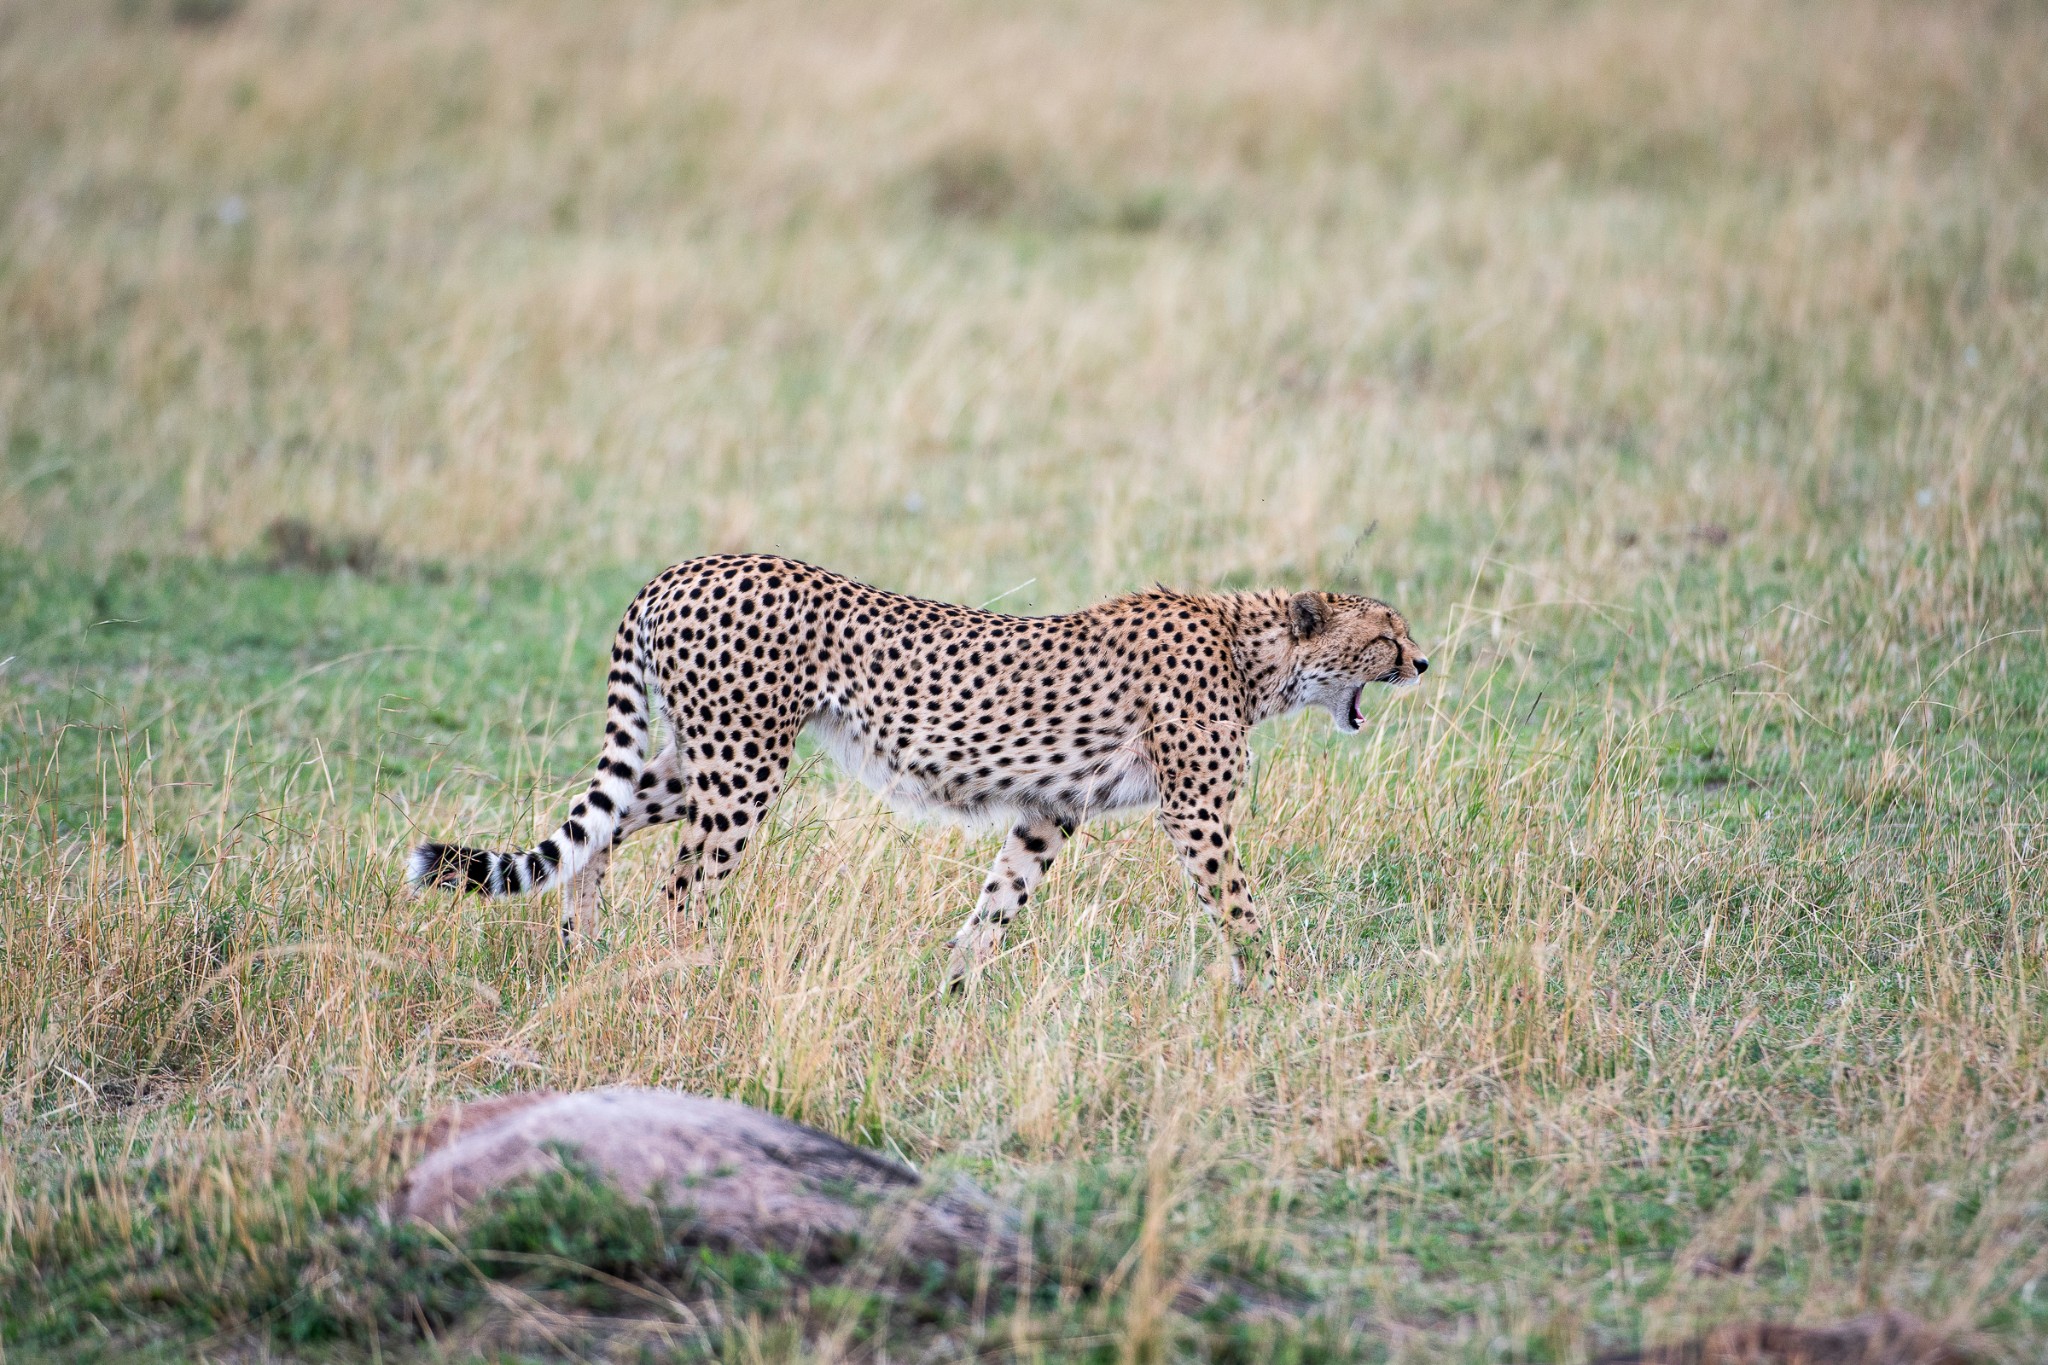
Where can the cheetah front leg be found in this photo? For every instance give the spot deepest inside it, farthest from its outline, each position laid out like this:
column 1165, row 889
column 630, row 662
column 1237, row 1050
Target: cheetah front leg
column 1198, row 766
column 1208, row 853
column 1025, row 856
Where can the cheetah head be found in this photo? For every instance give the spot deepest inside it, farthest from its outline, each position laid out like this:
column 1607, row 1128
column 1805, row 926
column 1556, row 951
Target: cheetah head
column 1340, row 646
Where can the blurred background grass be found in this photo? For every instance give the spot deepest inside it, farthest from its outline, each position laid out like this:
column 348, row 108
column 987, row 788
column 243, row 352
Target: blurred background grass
column 944, row 292
column 1677, row 368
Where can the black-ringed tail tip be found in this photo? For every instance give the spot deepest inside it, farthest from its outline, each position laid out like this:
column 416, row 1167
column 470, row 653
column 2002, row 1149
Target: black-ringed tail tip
column 490, row 874
column 1036, row 723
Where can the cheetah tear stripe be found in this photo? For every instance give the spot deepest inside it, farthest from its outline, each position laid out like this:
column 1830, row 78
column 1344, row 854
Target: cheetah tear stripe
column 593, row 820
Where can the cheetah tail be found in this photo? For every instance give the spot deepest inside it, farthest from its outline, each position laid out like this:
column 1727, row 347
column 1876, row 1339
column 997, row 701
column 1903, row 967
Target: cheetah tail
column 592, row 820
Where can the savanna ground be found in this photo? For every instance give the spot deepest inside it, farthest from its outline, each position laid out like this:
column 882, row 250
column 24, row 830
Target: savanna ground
column 1678, row 953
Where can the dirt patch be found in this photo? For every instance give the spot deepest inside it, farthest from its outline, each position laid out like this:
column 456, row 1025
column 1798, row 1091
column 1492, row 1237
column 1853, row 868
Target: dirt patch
column 1887, row 1338
column 294, row 543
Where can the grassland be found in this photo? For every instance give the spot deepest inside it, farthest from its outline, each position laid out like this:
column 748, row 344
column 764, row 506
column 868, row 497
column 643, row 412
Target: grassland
column 1678, row 954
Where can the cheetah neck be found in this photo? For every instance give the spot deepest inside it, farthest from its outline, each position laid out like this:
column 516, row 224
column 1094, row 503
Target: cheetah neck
column 1264, row 650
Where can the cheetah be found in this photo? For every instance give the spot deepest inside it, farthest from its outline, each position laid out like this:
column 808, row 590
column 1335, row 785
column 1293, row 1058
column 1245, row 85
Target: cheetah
column 973, row 716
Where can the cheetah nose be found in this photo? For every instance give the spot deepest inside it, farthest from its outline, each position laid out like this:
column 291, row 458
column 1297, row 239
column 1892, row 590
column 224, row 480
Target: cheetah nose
column 1421, row 665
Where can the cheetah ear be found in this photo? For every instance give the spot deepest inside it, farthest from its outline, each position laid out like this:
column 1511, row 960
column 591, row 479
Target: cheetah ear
column 1308, row 615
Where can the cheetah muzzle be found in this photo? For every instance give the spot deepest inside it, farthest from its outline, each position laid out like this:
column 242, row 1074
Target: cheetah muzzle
column 1038, row 722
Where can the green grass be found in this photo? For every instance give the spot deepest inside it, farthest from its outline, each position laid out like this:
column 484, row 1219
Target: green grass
column 1676, row 954
column 1767, row 987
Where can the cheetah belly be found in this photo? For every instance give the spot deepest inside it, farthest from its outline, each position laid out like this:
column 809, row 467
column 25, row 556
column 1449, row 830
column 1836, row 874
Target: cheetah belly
column 1118, row 782
column 1126, row 783
column 907, row 793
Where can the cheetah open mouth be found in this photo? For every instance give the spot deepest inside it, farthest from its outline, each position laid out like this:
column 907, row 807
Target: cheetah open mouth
column 1358, row 709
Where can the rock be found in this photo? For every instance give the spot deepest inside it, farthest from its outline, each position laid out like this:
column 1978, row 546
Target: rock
column 468, row 1116
column 1888, row 1338
column 748, row 1180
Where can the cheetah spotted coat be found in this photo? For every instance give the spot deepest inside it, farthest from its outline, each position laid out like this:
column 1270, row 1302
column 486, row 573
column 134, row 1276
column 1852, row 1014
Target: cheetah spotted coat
column 1039, row 722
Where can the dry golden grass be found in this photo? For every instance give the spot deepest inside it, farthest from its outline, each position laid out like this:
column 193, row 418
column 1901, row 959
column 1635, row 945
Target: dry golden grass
column 487, row 259
column 1678, row 954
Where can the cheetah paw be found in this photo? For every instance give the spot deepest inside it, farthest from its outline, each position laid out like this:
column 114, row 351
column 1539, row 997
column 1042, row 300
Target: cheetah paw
column 972, row 946
column 1254, row 973
column 958, row 967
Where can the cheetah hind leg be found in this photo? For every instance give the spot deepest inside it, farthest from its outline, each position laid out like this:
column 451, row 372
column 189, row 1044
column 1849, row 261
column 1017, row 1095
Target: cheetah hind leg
column 724, row 815
column 580, row 900
column 656, row 801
